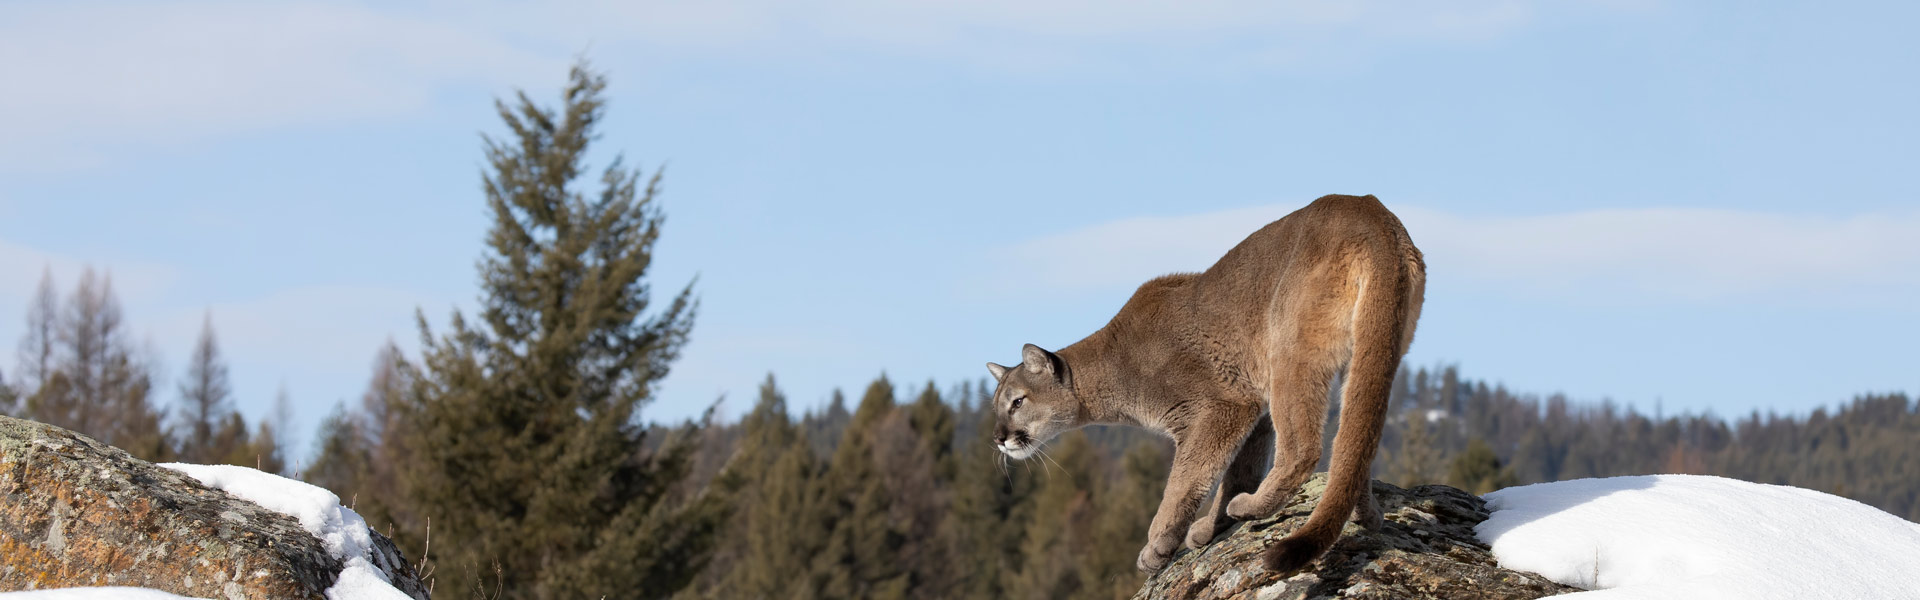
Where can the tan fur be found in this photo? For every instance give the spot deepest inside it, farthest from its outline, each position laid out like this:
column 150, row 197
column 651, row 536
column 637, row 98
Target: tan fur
column 1202, row 357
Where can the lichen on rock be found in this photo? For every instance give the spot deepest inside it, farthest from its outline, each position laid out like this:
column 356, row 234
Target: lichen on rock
column 1425, row 549
column 78, row 513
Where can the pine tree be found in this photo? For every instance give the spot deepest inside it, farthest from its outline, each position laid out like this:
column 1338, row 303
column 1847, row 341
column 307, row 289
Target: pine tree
column 1061, row 530
column 1121, row 526
column 41, row 338
column 859, row 556
column 8, row 396
column 933, row 423
column 96, row 382
column 205, row 401
column 234, row 441
column 528, row 452
column 1477, row 469
column 1418, row 460
column 916, row 458
column 826, row 429
column 361, row 451
column 991, row 506
column 342, row 459
column 779, row 525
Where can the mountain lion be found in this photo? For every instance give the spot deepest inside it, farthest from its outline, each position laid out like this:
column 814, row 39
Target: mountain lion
column 1202, row 357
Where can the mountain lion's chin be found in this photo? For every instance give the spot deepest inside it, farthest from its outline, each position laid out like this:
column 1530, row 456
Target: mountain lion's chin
column 1020, row 453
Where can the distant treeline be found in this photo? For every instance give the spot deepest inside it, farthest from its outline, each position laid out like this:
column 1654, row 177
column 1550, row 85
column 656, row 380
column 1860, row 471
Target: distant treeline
column 80, row 370
column 947, row 518
column 1867, row 449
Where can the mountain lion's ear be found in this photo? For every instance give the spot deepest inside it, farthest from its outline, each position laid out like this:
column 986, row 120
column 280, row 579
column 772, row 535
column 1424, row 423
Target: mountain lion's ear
column 1039, row 361
column 999, row 372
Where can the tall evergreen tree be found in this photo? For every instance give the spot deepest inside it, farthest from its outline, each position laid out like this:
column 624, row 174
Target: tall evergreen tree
column 858, row 559
column 528, row 452
column 778, row 527
column 933, row 424
column 915, row 451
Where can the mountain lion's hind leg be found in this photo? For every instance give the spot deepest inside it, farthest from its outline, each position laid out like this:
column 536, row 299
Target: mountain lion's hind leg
column 1249, row 466
column 1201, row 451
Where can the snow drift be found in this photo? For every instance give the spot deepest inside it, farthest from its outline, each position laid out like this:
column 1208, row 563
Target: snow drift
column 1701, row 537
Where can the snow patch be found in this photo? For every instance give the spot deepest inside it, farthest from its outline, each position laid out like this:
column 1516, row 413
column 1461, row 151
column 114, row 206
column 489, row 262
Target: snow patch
column 1701, row 537
column 343, row 532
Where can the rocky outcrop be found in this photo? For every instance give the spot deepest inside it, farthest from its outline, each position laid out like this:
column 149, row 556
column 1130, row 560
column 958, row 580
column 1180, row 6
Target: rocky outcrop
column 1426, row 549
column 78, row 513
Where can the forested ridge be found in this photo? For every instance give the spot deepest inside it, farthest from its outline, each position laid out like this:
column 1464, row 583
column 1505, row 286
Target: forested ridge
column 512, row 458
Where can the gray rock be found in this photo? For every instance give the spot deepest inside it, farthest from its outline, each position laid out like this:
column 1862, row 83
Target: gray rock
column 1426, row 549
column 75, row 513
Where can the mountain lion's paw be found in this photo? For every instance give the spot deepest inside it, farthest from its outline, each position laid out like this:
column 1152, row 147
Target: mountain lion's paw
column 1247, row 507
column 1157, row 554
column 1202, row 531
column 1367, row 515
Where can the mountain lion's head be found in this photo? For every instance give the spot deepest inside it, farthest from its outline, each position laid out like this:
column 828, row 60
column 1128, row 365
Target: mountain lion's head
column 1035, row 402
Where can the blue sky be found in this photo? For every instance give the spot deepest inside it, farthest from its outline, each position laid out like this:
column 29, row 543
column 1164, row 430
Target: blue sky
column 1711, row 205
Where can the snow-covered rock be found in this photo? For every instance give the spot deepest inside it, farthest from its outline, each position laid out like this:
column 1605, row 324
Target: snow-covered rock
column 77, row 513
column 364, row 567
column 1700, row 537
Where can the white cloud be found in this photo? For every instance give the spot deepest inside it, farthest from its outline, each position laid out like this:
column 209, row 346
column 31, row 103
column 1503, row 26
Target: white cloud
column 1032, row 36
column 1630, row 255
column 85, row 79
column 933, row 22
column 82, row 75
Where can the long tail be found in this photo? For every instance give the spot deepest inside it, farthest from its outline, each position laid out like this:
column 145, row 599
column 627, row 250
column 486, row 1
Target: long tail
column 1378, row 332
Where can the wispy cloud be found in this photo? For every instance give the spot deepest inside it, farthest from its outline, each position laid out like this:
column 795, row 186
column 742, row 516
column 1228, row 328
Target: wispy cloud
column 86, row 77
column 86, row 73
column 1630, row 255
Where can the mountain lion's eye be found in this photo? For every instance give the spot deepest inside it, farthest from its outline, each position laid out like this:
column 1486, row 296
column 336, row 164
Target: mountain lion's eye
column 1016, row 403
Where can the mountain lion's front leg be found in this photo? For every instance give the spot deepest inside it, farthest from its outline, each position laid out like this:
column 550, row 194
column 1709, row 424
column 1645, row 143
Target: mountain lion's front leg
column 1243, row 475
column 1200, row 454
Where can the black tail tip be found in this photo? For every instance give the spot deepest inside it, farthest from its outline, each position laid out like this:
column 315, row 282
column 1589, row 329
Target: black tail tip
column 1290, row 555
